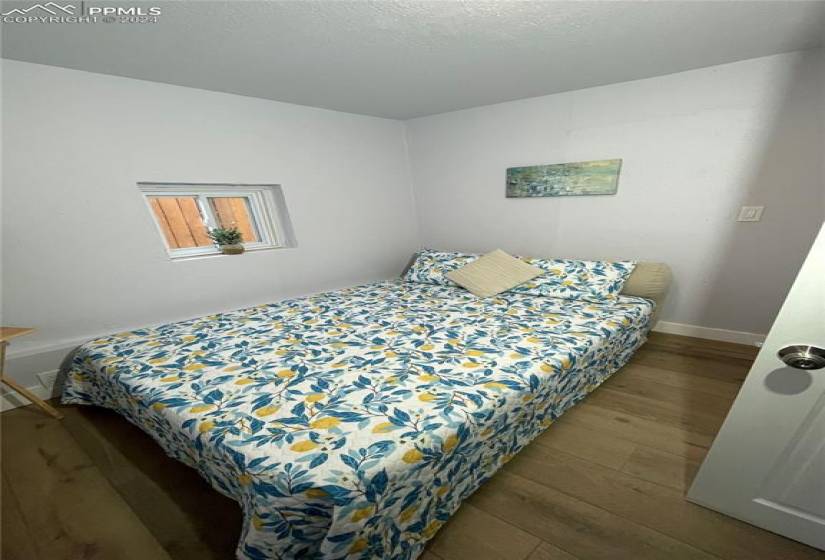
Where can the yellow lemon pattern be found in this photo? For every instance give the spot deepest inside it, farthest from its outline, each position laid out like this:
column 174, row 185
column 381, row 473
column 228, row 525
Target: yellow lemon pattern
column 350, row 421
column 202, row 408
column 362, row 513
column 383, row 428
column 324, row 423
column 450, row 443
column 267, row 411
column 412, row 456
column 205, row 426
column 303, row 446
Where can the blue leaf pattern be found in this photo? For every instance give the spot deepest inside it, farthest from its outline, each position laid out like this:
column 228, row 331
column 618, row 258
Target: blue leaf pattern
column 352, row 424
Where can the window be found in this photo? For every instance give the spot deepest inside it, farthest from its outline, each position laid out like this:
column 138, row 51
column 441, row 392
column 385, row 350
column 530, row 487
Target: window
column 184, row 214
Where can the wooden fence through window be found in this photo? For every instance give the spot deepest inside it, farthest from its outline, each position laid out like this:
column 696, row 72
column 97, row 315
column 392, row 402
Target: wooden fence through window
column 182, row 224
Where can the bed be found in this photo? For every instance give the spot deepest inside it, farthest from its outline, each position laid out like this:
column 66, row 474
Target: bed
column 352, row 424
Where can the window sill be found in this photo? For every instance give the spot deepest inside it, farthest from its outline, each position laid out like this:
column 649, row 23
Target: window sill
column 184, row 258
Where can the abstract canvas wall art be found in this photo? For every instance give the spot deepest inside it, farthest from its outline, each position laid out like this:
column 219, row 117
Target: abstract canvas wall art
column 564, row 179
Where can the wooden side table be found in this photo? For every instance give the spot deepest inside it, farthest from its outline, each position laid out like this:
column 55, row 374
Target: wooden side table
column 6, row 334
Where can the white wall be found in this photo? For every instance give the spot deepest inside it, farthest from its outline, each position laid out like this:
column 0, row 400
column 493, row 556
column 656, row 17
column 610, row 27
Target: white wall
column 81, row 255
column 696, row 146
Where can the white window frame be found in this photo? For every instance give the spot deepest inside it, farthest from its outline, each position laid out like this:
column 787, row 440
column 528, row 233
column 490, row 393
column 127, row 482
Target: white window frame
column 263, row 210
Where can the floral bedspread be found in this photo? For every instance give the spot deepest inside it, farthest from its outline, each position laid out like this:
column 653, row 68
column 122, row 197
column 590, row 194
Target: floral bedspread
column 352, row 424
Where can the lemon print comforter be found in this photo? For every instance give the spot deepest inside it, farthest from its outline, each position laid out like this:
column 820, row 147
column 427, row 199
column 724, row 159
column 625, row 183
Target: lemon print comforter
column 353, row 423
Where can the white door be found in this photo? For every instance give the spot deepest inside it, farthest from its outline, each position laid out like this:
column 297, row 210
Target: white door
column 767, row 464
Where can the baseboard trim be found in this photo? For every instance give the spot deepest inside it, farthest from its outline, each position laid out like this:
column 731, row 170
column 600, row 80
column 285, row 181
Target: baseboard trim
column 12, row 399
column 724, row 335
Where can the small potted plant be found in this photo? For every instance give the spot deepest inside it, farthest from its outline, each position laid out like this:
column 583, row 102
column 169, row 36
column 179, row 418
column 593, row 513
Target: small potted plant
column 228, row 239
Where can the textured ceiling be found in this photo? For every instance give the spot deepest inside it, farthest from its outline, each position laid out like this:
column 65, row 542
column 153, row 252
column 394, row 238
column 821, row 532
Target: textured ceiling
column 413, row 58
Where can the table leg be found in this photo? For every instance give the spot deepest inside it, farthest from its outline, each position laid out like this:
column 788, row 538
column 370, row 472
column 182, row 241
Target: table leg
column 22, row 390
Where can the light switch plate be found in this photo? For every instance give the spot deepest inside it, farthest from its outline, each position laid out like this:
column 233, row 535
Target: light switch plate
column 750, row 213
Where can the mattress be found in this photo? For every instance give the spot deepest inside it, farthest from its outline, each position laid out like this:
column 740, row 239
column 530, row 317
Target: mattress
column 352, row 424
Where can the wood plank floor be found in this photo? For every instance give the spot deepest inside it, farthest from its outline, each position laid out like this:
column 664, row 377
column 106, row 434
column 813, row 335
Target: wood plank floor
column 606, row 481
